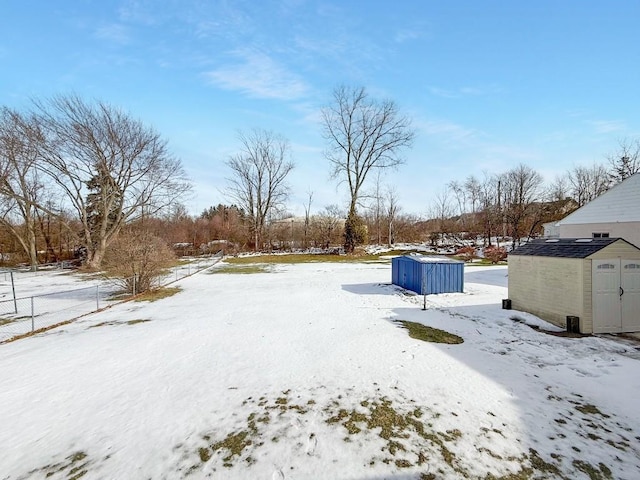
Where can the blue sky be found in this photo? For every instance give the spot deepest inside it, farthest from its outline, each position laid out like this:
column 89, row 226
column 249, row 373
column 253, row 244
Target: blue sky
column 488, row 84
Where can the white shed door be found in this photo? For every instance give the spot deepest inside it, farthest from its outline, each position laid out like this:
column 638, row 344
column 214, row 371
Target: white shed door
column 607, row 311
column 630, row 284
column 616, row 296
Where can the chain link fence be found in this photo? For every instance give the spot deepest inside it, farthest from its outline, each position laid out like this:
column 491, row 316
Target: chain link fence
column 21, row 315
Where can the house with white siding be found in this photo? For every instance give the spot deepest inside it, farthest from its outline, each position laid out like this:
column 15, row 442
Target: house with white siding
column 614, row 214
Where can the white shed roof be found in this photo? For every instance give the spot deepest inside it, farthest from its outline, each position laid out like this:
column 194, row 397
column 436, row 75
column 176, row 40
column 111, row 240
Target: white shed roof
column 619, row 204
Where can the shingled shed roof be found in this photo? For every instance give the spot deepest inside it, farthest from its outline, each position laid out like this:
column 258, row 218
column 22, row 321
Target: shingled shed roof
column 564, row 247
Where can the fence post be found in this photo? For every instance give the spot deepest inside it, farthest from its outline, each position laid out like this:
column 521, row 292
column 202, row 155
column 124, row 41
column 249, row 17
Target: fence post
column 134, row 285
column 97, row 297
column 33, row 325
column 13, row 289
column 423, row 287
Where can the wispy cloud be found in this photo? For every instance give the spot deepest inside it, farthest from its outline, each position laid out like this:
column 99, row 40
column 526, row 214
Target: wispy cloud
column 607, row 126
column 330, row 46
column 406, row 35
column 140, row 11
column 510, row 153
column 258, row 75
column 442, row 92
column 498, row 158
column 448, row 131
column 221, row 20
column 463, row 91
column 115, row 32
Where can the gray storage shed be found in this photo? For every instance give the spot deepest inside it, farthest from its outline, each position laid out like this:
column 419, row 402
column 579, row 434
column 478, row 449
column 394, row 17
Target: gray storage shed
column 594, row 281
column 427, row 274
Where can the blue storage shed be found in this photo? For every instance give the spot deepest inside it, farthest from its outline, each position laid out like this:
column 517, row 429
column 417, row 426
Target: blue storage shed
column 427, row 274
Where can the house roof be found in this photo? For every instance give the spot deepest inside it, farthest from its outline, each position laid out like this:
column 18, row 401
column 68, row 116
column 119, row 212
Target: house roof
column 564, row 247
column 621, row 203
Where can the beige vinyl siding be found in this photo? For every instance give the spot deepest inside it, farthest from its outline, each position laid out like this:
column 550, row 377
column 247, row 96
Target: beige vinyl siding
column 586, row 320
column 554, row 287
column 548, row 287
column 619, row 249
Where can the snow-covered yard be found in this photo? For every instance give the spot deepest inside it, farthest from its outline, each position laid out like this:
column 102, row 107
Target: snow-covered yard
column 35, row 300
column 53, row 296
column 301, row 373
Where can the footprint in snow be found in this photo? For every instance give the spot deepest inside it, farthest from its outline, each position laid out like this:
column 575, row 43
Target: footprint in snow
column 277, row 475
column 312, row 442
column 408, row 355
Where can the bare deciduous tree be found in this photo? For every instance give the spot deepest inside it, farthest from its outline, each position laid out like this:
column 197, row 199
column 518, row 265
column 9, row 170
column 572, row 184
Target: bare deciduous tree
column 489, row 201
column 559, row 188
column 625, row 161
column 474, row 191
column 307, row 219
column 112, row 168
column 21, row 188
column 587, row 183
column 441, row 210
column 377, row 205
column 363, row 134
column 393, row 208
column 258, row 181
column 327, row 224
column 460, row 194
column 521, row 190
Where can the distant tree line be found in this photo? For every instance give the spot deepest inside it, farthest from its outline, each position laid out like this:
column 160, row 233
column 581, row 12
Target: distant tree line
column 515, row 204
column 77, row 175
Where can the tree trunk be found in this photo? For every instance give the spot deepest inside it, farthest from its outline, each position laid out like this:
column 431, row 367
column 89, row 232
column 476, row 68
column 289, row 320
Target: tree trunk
column 94, row 259
column 96, row 254
column 33, row 252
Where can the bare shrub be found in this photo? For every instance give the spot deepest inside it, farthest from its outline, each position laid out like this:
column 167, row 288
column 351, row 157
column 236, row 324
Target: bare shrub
column 495, row 254
column 466, row 253
column 137, row 259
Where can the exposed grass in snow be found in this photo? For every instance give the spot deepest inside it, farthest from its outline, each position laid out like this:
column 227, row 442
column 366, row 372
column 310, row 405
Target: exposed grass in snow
column 590, row 409
column 157, row 294
column 296, row 258
column 242, row 268
column 262, row 263
column 406, row 432
column 602, row 472
column 129, row 322
column 429, row 334
column 74, row 467
column 381, row 417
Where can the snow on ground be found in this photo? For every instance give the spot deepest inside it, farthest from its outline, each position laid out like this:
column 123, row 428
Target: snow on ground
column 53, row 295
column 34, row 300
column 301, row 373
